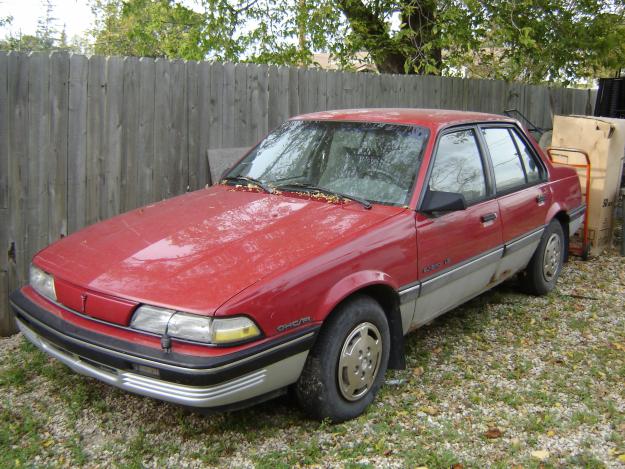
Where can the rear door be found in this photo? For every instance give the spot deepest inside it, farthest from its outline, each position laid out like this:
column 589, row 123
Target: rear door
column 458, row 252
column 522, row 193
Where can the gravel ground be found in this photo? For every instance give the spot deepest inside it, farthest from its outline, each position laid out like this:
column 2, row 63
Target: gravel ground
column 506, row 380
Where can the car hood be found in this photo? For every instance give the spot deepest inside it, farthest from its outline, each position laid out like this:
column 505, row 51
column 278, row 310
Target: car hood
column 196, row 251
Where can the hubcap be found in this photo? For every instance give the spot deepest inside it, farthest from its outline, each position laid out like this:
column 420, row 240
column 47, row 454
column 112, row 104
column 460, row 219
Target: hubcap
column 551, row 260
column 359, row 361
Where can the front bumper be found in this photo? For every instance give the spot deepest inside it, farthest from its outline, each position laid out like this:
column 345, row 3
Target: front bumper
column 215, row 383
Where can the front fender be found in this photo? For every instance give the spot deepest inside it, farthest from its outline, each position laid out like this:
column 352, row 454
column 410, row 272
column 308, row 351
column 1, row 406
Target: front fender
column 351, row 284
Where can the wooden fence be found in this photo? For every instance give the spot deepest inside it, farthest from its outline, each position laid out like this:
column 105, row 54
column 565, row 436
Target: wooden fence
column 85, row 138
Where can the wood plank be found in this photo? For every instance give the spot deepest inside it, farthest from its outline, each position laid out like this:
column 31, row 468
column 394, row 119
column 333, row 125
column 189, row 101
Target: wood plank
column 253, row 110
column 233, row 105
column 193, row 104
column 293, row 91
column 77, row 142
column 145, row 144
column 178, row 164
column 96, row 94
column 302, row 86
column 7, row 320
column 215, row 137
column 4, row 138
column 242, row 104
column 6, row 328
column 360, row 97
column 18, row 76
column 278, row 96
column 40, row 160
column 348, row 91
column 203, row 116
column 4, row 239
column 332, row 87
column 312, row 90
column 111, row 203
column 162, row 129
column 57, row 177
column 128, row 183
column 261, row 104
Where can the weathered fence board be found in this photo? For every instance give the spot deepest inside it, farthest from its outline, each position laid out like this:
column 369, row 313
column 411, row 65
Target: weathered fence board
column 57, row 175
column 145, row 153
column 18, row 171
column 4, row 140
column 83, row 139
column 129, row 134
column 77, row 143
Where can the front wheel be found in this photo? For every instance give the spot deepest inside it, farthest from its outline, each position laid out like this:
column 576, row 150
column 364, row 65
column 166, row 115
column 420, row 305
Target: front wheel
column 542, row 272
column 346, row 367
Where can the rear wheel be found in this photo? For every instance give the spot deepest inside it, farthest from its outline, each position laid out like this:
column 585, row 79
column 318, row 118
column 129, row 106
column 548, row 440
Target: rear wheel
column 346, row 367
column 542, row 272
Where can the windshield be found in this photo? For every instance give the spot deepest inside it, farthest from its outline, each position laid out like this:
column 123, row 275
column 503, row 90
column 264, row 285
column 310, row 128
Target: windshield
column 375, row 162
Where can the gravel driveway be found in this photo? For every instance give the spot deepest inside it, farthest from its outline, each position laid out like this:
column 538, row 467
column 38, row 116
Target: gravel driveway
column 506, row 380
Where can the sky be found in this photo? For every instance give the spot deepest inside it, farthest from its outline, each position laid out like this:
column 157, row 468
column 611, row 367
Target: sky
column 74, row 14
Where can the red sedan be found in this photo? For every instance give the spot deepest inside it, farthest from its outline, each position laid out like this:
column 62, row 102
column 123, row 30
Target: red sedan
column 306, row 265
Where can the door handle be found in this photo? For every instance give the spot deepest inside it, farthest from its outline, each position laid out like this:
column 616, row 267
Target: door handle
column 489, row 217
column 540, row 199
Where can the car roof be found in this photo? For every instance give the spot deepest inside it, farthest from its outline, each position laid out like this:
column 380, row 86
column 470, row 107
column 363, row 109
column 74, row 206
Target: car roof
column 432, row 118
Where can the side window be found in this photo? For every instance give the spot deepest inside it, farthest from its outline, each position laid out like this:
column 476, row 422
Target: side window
column 509, row 172
column 458, row 166
column 533, row 169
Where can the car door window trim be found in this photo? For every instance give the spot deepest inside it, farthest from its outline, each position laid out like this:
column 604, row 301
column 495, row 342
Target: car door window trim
column 490, row 189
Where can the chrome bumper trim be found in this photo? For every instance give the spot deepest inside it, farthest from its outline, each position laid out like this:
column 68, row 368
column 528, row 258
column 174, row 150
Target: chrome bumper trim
column 145, row 361
column 253, row 384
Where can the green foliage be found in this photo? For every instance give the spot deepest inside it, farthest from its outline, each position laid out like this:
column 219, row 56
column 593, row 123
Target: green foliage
column 544, row 40
column 147, row 28
column 528, row 40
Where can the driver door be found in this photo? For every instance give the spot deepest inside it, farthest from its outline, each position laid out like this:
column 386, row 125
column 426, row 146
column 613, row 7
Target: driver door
column 458, row 251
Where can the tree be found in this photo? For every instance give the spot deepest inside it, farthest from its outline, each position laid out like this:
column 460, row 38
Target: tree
column 46, row 38
column 149, row 28
column 528, row 40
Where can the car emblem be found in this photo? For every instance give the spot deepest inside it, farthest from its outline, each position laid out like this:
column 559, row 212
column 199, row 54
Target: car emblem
column 83, row 296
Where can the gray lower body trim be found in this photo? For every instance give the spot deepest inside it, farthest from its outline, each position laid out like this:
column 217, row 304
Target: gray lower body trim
column 421, row 302
column 253, row 384
column 458, row 272
column 576, row 219
column 523, row 241
column 576, row 212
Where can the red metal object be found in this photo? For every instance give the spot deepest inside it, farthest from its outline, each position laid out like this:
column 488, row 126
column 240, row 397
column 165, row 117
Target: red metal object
column 582, row 249
column 222, row 251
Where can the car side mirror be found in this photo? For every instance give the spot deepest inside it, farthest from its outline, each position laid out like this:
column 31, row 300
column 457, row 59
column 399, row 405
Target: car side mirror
column 439, row 201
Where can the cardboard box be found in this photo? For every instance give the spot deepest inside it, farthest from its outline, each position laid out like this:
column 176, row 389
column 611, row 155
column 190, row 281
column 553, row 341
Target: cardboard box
column 604, row 140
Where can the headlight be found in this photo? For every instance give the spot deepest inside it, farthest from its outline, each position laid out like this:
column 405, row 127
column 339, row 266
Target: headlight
column 151, row 319
column 194, row 327
column 42, row 282
column 191, row 327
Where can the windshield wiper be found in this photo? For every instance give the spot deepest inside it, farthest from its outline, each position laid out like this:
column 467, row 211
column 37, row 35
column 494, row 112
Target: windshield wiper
column 304, row 187
column 249, row 180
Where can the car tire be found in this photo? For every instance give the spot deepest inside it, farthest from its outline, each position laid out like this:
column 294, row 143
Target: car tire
column 346, row 366
column 542, row 273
